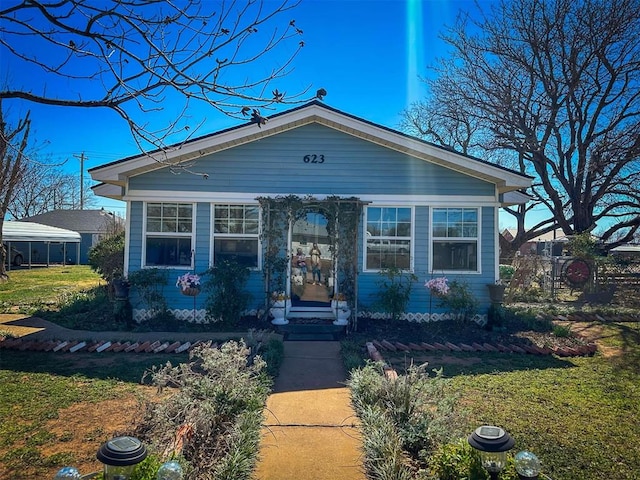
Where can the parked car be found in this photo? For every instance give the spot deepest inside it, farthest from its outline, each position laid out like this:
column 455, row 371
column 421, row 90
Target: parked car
column 15, row 257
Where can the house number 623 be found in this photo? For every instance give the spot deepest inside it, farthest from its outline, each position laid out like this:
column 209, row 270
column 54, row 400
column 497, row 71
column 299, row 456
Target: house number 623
column 313, row 158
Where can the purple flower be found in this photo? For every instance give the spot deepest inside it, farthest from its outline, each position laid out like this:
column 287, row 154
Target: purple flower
column 188, row 280
column 438, row 286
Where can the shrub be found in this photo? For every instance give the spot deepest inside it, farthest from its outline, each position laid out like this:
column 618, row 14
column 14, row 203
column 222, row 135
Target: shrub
column 453, row 461
column 384, row 458
column 395, row 291
column 107, row 257
column 227, row 299
column 496, row 316
column 149, row 284
column 219, row 402
column 422, row 413
column 506, row 272
column 561, row 331
column 459, row 300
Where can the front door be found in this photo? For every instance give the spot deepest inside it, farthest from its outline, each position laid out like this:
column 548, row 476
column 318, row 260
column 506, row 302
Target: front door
column 312, row 264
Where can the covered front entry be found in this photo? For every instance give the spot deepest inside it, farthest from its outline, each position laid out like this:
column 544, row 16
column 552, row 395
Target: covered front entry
column 311, row 250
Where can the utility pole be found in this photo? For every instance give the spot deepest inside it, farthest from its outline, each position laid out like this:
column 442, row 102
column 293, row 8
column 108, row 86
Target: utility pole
column 81, row 158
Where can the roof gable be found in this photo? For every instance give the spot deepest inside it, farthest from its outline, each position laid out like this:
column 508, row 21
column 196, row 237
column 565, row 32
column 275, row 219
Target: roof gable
column 116, row 173
column 84, row 221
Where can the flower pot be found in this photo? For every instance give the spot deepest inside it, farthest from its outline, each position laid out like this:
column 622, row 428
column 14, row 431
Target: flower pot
column 496, row 293
column 279, row 310
column 190, row 291
column 120, row 288
column 342, row 314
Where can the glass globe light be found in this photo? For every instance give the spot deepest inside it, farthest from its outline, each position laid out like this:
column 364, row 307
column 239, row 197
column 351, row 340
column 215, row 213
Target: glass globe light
column 170, row 471
column 68, row 473
column 527, row 465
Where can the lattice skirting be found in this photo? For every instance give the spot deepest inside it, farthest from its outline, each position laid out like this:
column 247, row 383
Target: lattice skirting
column 422, row 317
column 186, row 314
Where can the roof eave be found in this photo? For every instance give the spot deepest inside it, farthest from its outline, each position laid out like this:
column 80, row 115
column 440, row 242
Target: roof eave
column 117, row 172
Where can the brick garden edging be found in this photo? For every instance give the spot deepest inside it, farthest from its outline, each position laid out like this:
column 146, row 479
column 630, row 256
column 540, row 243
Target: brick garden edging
column 97, row 347
column 374, row 347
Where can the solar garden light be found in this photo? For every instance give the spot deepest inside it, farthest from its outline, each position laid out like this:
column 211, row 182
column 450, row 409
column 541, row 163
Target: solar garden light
column 493, row 443
column 527, row 465
column 68, row 473
column 170, row 471
column 120, row 457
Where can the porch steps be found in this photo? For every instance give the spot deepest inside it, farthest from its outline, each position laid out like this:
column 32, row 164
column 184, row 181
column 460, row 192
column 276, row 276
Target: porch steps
column 302, row 329
column 319, row 313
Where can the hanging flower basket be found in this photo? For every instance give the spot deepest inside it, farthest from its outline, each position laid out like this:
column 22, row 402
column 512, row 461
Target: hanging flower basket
column 190, row 291
column 189, row 284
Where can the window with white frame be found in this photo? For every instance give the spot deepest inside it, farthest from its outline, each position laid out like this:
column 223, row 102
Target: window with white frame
column 169, row 234
column 388, row 234
column 454, row 239
column 235, row 234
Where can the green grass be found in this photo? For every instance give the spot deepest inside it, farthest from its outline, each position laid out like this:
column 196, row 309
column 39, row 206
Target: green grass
column 30, row 290
column 579, row 415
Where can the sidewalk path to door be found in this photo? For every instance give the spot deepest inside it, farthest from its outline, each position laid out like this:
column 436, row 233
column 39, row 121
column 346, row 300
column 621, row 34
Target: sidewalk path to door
column 311, row 431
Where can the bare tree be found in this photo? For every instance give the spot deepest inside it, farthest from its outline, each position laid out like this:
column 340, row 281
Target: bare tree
column 44, row 187
column 145, row 55
column 13, row 144
column 554, row 87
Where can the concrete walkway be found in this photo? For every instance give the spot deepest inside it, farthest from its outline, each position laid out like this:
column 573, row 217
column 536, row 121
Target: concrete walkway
column 311, row 430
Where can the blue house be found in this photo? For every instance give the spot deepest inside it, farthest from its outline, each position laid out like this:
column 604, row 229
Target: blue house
column 369, row 198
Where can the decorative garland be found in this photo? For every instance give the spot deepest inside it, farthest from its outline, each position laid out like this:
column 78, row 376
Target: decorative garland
column 343, row 217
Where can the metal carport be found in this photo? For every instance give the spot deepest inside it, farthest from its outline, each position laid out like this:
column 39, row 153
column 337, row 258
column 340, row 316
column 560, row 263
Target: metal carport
column 35, row 232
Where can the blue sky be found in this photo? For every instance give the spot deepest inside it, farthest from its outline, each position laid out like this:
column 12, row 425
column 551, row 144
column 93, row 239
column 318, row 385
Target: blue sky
column 367, row 54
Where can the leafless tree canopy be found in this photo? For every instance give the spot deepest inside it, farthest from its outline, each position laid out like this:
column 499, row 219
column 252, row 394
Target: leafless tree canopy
column 554, row 87
column 136, row 57
column 44, row 187
column 13, row 144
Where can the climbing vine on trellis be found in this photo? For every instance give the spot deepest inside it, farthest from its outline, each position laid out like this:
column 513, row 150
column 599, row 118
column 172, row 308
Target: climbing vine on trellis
column 343, row 216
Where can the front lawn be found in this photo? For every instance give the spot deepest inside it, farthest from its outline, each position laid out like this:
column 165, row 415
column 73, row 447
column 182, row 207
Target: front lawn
column 56, row 409
column 579, row 415
column 29, row 290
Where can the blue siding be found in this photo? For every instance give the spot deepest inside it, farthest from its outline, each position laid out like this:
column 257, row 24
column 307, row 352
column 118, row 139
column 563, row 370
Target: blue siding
column 351, row 166
column 136, row 214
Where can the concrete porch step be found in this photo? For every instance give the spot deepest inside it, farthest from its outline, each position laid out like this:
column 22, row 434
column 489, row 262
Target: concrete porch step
column 319, row 330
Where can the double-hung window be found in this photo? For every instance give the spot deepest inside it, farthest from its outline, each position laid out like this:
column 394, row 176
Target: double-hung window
column 168, row 235
column 454, row 235
column 235, row 234
column 389, row 231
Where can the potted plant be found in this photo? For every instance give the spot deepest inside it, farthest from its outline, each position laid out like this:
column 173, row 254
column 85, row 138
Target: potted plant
column 189, row 284
column 496, row 291
column 341, row 310
column 120, row 288
column 279, row 308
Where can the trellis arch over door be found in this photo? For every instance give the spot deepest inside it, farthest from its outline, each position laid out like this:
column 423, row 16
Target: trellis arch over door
column 343, row 219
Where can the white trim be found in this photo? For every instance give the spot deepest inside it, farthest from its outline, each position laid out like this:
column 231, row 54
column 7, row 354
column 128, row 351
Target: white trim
column 412, row 239
column 194, row 227
column 118, row 172
column 478, row 238
column 127, row 241
column 250, row 197
column 213, row 235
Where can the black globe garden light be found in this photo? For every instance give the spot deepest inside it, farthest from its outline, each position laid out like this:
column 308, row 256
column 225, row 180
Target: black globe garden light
column 120, row 457
column 493, row 443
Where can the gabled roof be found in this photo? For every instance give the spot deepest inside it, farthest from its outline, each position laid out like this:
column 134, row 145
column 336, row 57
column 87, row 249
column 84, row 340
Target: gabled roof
column 35, row 232
column 117, row 172
column 83, row 221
